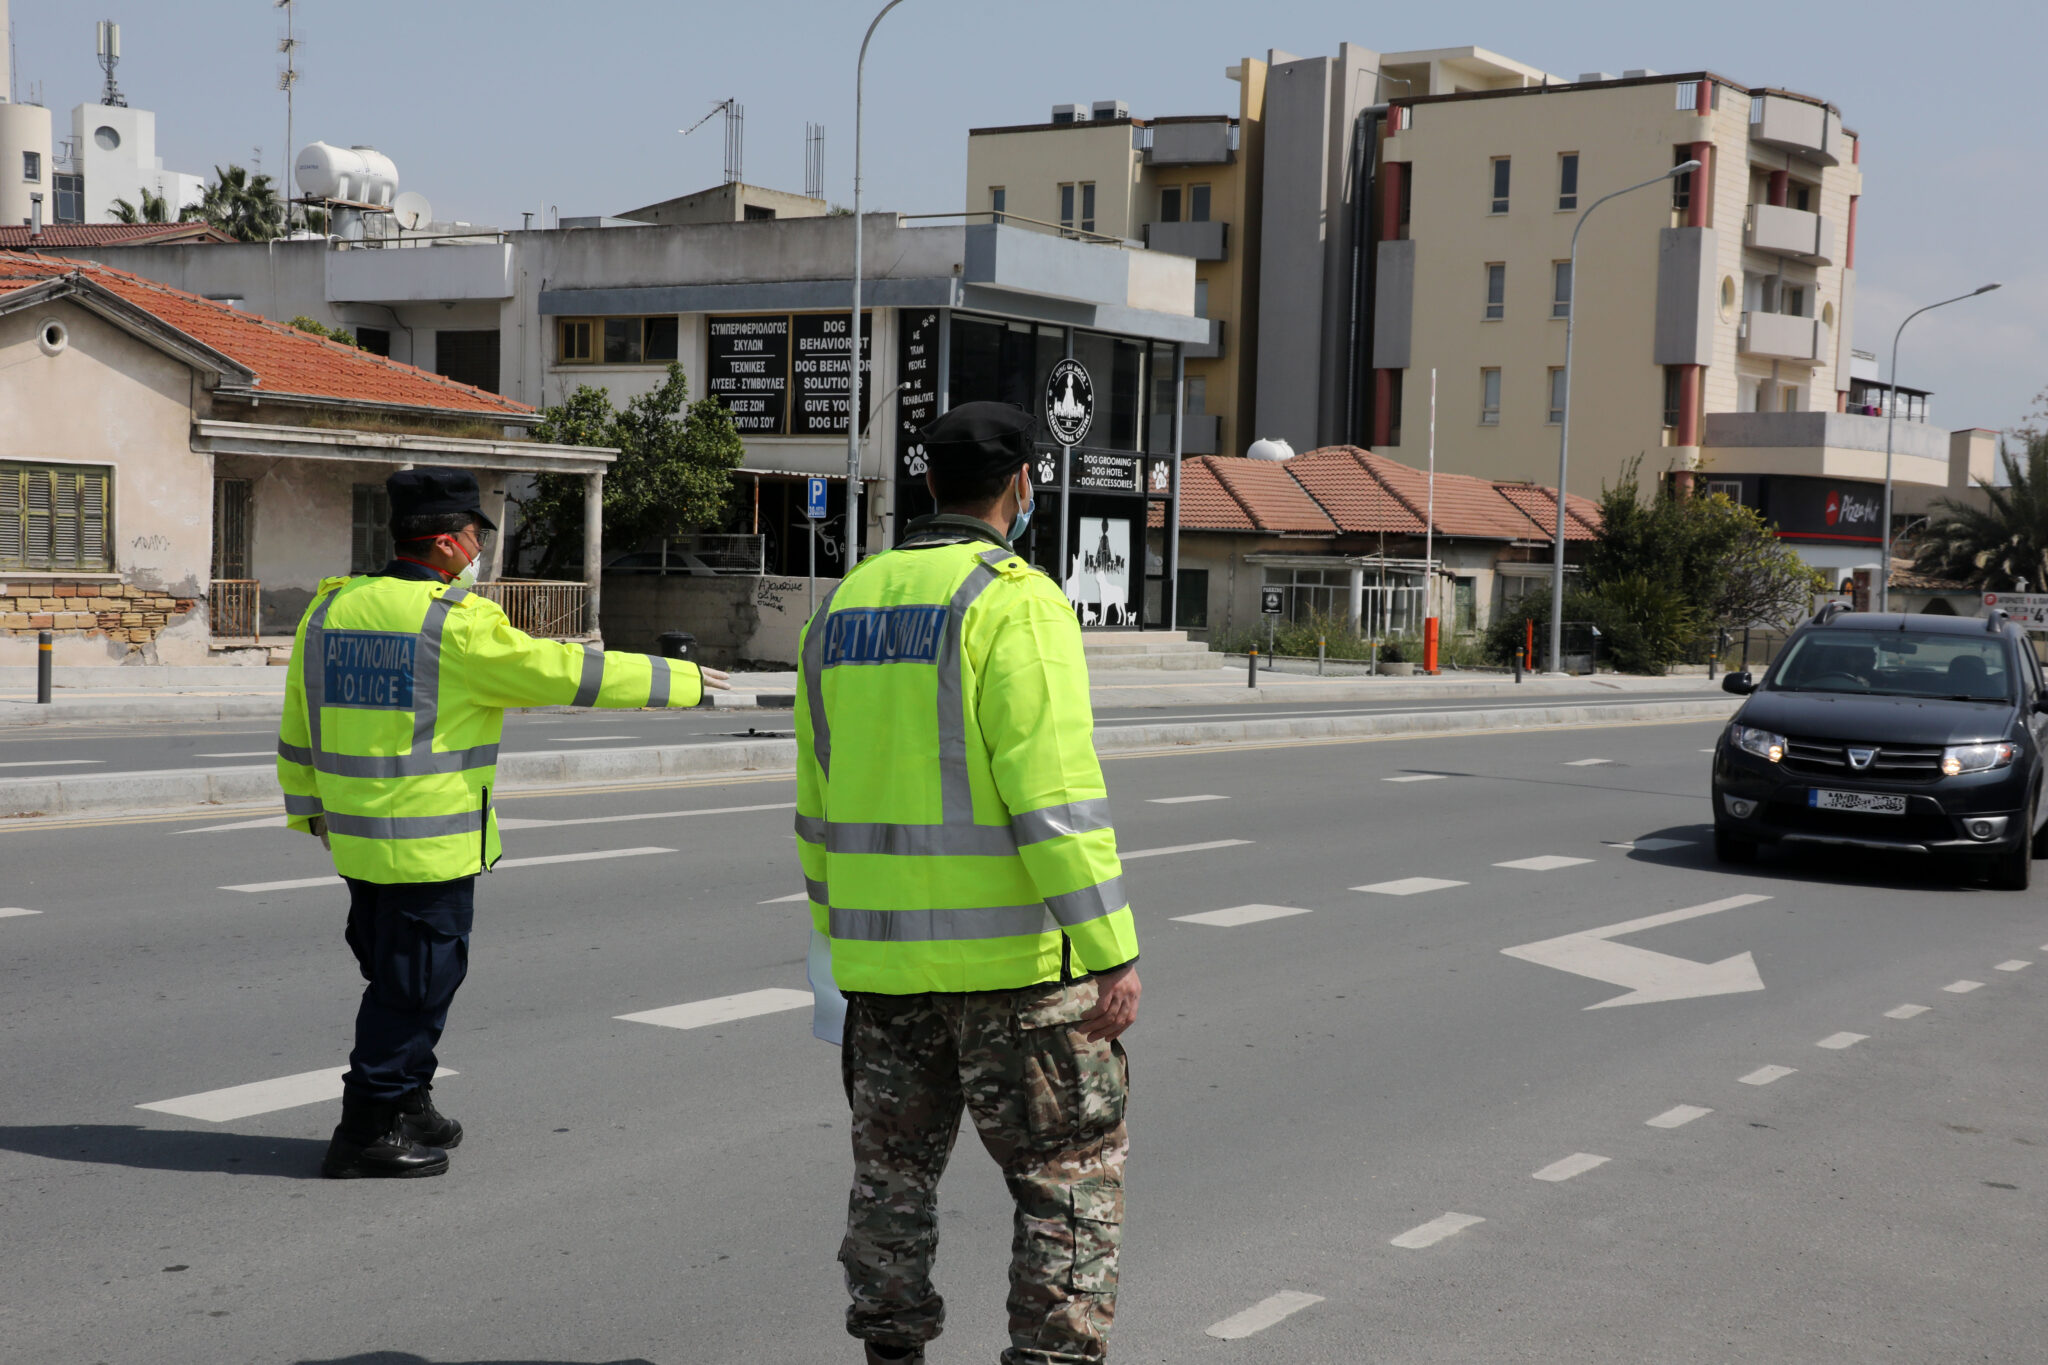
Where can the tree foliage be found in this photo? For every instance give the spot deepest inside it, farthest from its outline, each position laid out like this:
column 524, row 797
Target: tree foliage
column 320, row 329
column 673, row 473
column 154, row 210
column 246, row 207
column 1994, row 547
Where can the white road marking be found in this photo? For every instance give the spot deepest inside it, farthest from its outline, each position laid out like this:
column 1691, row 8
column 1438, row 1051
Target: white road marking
column 1578, row 1163
column 1962, row 987
column 1179, row 848
column 1418, row 777
column 1240, row 914
column 1678, row 1116
column 253, row 753
column 267, row 822
column 537, row 822
column 2013, row 965
column 1181, row 801
column 1706, row 751
column 1548, row 862
column 723, row 1009
column 261, row 1097
column 503, row 864
column 15, row 912
column 53, row 763
column 1586, row 762
column 1651, row 845
column 1764, row 1075
column 1409, row 886
column 1835, row 1042
column 1905, row 1011
column 1262, row 1315
column 587, row 739
column 785, row 900
column 1650, row 976
column 1435, row 1230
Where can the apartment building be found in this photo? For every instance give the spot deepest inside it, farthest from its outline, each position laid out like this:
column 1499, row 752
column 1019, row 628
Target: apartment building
column 1186, row 186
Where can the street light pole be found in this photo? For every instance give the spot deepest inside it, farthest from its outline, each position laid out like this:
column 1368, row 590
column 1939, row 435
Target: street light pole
column 1564, row 435
column 1891, row 417
column 853, row 428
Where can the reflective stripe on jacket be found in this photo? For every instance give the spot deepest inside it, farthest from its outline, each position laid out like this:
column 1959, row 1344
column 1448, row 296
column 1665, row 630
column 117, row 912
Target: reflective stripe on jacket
column 394, row 709
column 951, row 815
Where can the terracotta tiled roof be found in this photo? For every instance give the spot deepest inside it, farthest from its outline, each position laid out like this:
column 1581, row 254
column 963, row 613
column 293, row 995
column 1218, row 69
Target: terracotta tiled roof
column 285, row 360
column 1581, row 515
column 1339, row 478
column 1269, row 496
column 20, row 237
column 1205, row 505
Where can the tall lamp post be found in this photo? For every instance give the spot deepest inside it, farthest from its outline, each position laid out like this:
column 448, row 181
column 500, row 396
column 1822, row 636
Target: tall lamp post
column 854, row 528
column 1891, row 417
column 1564, row 435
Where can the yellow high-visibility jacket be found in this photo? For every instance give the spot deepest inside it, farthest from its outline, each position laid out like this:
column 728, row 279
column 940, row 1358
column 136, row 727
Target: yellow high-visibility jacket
column 951, row 816
column 393, row 712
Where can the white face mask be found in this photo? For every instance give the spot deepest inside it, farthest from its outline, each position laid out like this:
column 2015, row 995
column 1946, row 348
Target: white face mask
column 467, row 578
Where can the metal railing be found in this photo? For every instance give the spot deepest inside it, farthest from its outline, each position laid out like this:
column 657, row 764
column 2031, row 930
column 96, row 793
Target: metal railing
column 739, row 554
column 234, row 608
column 550, row 608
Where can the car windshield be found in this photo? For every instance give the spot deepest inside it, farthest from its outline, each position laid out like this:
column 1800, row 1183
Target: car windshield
column 1897, row 663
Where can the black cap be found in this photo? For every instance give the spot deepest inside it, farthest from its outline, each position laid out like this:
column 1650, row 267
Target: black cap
column 433, row 491
column 990, row 436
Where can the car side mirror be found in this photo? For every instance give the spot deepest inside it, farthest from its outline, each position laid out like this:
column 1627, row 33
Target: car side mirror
column 1741, row 684
column 2041, row 702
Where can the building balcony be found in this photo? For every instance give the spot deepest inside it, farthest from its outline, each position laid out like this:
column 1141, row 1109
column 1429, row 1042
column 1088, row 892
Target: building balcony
column 1813, row 131
column 1790, row 232
column 420, row 273
column 1202, row 241
column 1838, row 445
column 1212, row 349
column 1784, row 336
column 1197, row 142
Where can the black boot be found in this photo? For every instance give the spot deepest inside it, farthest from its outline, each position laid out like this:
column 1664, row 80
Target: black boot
column 425, row 1124
column 372, row 1141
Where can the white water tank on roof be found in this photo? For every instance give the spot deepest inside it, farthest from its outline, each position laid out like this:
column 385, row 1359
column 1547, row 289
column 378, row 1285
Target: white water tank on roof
column 357, row 175
column 1270, row 448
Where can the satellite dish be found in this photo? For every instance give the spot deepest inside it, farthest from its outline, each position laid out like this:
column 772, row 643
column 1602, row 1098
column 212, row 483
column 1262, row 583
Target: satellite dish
column 412, row 211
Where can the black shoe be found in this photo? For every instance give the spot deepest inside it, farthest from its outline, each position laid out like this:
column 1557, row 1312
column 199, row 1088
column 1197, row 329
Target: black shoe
column 425, row 1124
column 912, row 1355
column 372, row 1142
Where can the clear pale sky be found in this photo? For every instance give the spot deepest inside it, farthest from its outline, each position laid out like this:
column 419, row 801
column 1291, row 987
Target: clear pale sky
column 491, row 107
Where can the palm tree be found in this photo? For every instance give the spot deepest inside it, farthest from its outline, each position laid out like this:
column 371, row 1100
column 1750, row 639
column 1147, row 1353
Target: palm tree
column 154, row 210
column 1994, row 547
column 244, row 206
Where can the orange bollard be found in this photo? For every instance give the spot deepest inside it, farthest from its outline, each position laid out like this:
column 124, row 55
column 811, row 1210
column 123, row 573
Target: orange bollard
column 1529, row 648
column 1432, row 635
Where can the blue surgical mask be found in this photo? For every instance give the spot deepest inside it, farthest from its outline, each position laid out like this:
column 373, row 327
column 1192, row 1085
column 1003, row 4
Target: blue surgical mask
column 1023, row 519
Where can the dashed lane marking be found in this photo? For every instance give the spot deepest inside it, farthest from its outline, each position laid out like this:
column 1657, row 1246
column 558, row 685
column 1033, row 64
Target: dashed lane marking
column 1651, row 845
column 1180, row 848
column 267, row 822
column 2014, row 965
column 503, row 864
column 1548, row 862
column 1835, row 1042
column 261, row 1097
column 1587, row 762
column 251, row 753
column 1962, row 987
column 785, row 900
column 54, row 763
column 1578, row 1163
column 1905, row 1011
column 1435, row 1230
column 1409, row 886
column 1183, row 800
column 586, row 739
column 1678, row 1116
column 15, row 912
column 1240, row 914
column 1418, row 777
column 536, row 822
column 723, row 1009
column 1764, row 1075
column 1262, row 1315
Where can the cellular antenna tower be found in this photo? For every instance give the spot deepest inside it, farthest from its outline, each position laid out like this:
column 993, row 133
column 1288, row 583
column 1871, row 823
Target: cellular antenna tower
column 735, row 134
column 287, row 81
column 110, row 57
column 814, row 160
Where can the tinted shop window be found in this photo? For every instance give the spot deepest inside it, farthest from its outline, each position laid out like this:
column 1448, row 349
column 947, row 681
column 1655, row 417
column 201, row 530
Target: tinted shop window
column 1191, row 598
column 1004, row 362
column 660, row 340
column 1117, row 369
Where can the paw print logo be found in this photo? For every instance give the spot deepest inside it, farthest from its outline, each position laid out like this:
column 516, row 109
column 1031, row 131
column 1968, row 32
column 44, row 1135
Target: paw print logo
column 915, row 462
column 1047, row 470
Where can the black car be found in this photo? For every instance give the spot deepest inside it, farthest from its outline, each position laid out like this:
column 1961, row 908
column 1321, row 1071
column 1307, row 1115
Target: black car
column 1918, row 734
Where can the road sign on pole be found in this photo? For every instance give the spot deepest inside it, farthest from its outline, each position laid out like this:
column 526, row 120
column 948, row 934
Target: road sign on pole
column 2028, row 609
column 815, row 507
column 1272, row 601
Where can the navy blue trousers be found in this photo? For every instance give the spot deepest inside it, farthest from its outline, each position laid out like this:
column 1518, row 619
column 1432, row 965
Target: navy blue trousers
column 411, row 940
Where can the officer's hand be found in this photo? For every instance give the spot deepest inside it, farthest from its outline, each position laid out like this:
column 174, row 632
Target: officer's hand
column 715, row 680
column 1116, row 1004
column 317, row 827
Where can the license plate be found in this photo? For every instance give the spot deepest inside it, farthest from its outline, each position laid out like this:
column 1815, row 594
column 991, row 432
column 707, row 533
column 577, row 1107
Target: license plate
column 1870, row 803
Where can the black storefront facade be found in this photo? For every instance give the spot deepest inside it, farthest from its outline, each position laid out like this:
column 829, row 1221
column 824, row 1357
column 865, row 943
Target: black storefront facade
column 1105, row 522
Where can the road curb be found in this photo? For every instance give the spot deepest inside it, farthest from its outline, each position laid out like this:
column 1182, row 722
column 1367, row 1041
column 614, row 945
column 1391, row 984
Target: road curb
column 184, row 789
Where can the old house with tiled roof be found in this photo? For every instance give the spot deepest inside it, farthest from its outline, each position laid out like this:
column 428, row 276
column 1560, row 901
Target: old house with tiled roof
column 176, row 476
column 1352, row 536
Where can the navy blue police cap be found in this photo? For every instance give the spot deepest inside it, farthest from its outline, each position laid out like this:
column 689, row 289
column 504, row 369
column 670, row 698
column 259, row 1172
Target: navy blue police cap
column 992, row 437
column 432, row 491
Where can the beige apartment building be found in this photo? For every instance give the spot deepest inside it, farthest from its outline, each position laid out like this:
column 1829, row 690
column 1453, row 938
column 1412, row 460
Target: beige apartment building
column 1188, row 186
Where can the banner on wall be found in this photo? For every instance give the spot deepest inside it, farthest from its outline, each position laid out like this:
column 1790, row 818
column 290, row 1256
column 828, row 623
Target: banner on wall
column 1099, row 576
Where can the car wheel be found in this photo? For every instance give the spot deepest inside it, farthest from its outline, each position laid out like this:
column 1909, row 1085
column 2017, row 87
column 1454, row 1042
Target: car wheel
column 2040, row 842
column 1733, row 848
column 2013, row 870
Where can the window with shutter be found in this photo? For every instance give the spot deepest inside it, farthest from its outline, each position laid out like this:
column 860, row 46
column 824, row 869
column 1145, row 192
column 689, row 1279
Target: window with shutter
column 56, row 517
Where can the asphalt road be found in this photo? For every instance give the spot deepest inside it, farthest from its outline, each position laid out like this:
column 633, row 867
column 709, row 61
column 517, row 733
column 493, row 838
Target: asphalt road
column 1318, row 1097
column 97, row 748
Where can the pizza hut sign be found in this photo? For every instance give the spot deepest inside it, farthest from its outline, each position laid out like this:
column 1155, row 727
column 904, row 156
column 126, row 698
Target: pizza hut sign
column 1825, row 509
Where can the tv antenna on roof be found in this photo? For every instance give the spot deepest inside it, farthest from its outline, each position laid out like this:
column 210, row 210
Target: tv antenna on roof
column 109, row 45
column 814, row 160
column 735, row 134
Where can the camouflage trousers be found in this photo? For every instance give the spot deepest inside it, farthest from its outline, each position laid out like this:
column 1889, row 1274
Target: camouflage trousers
column 1049, row 1106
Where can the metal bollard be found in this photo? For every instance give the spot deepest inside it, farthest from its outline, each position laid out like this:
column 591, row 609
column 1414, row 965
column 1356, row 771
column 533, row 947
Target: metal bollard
column 1320, row 644
column 1251, row 670
column 42, row 668
column 1518, row 668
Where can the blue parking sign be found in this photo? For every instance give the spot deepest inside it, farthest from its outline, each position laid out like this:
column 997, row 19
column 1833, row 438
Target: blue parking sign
column 815, row 509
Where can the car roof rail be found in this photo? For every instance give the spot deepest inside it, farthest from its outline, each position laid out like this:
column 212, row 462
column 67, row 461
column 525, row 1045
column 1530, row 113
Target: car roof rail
column 1996, row 619
column 1830, row 612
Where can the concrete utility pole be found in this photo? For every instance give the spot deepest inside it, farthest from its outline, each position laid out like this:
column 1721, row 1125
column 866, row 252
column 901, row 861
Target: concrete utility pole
column 1891, row 417
column 854, row 529
column 1564, row 435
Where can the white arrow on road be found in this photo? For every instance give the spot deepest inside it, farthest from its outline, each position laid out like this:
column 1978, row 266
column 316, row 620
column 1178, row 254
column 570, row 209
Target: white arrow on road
column 1649, row 976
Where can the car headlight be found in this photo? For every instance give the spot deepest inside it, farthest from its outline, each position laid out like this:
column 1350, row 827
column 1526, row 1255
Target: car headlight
column 1977, row 758
column 1762, row 743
